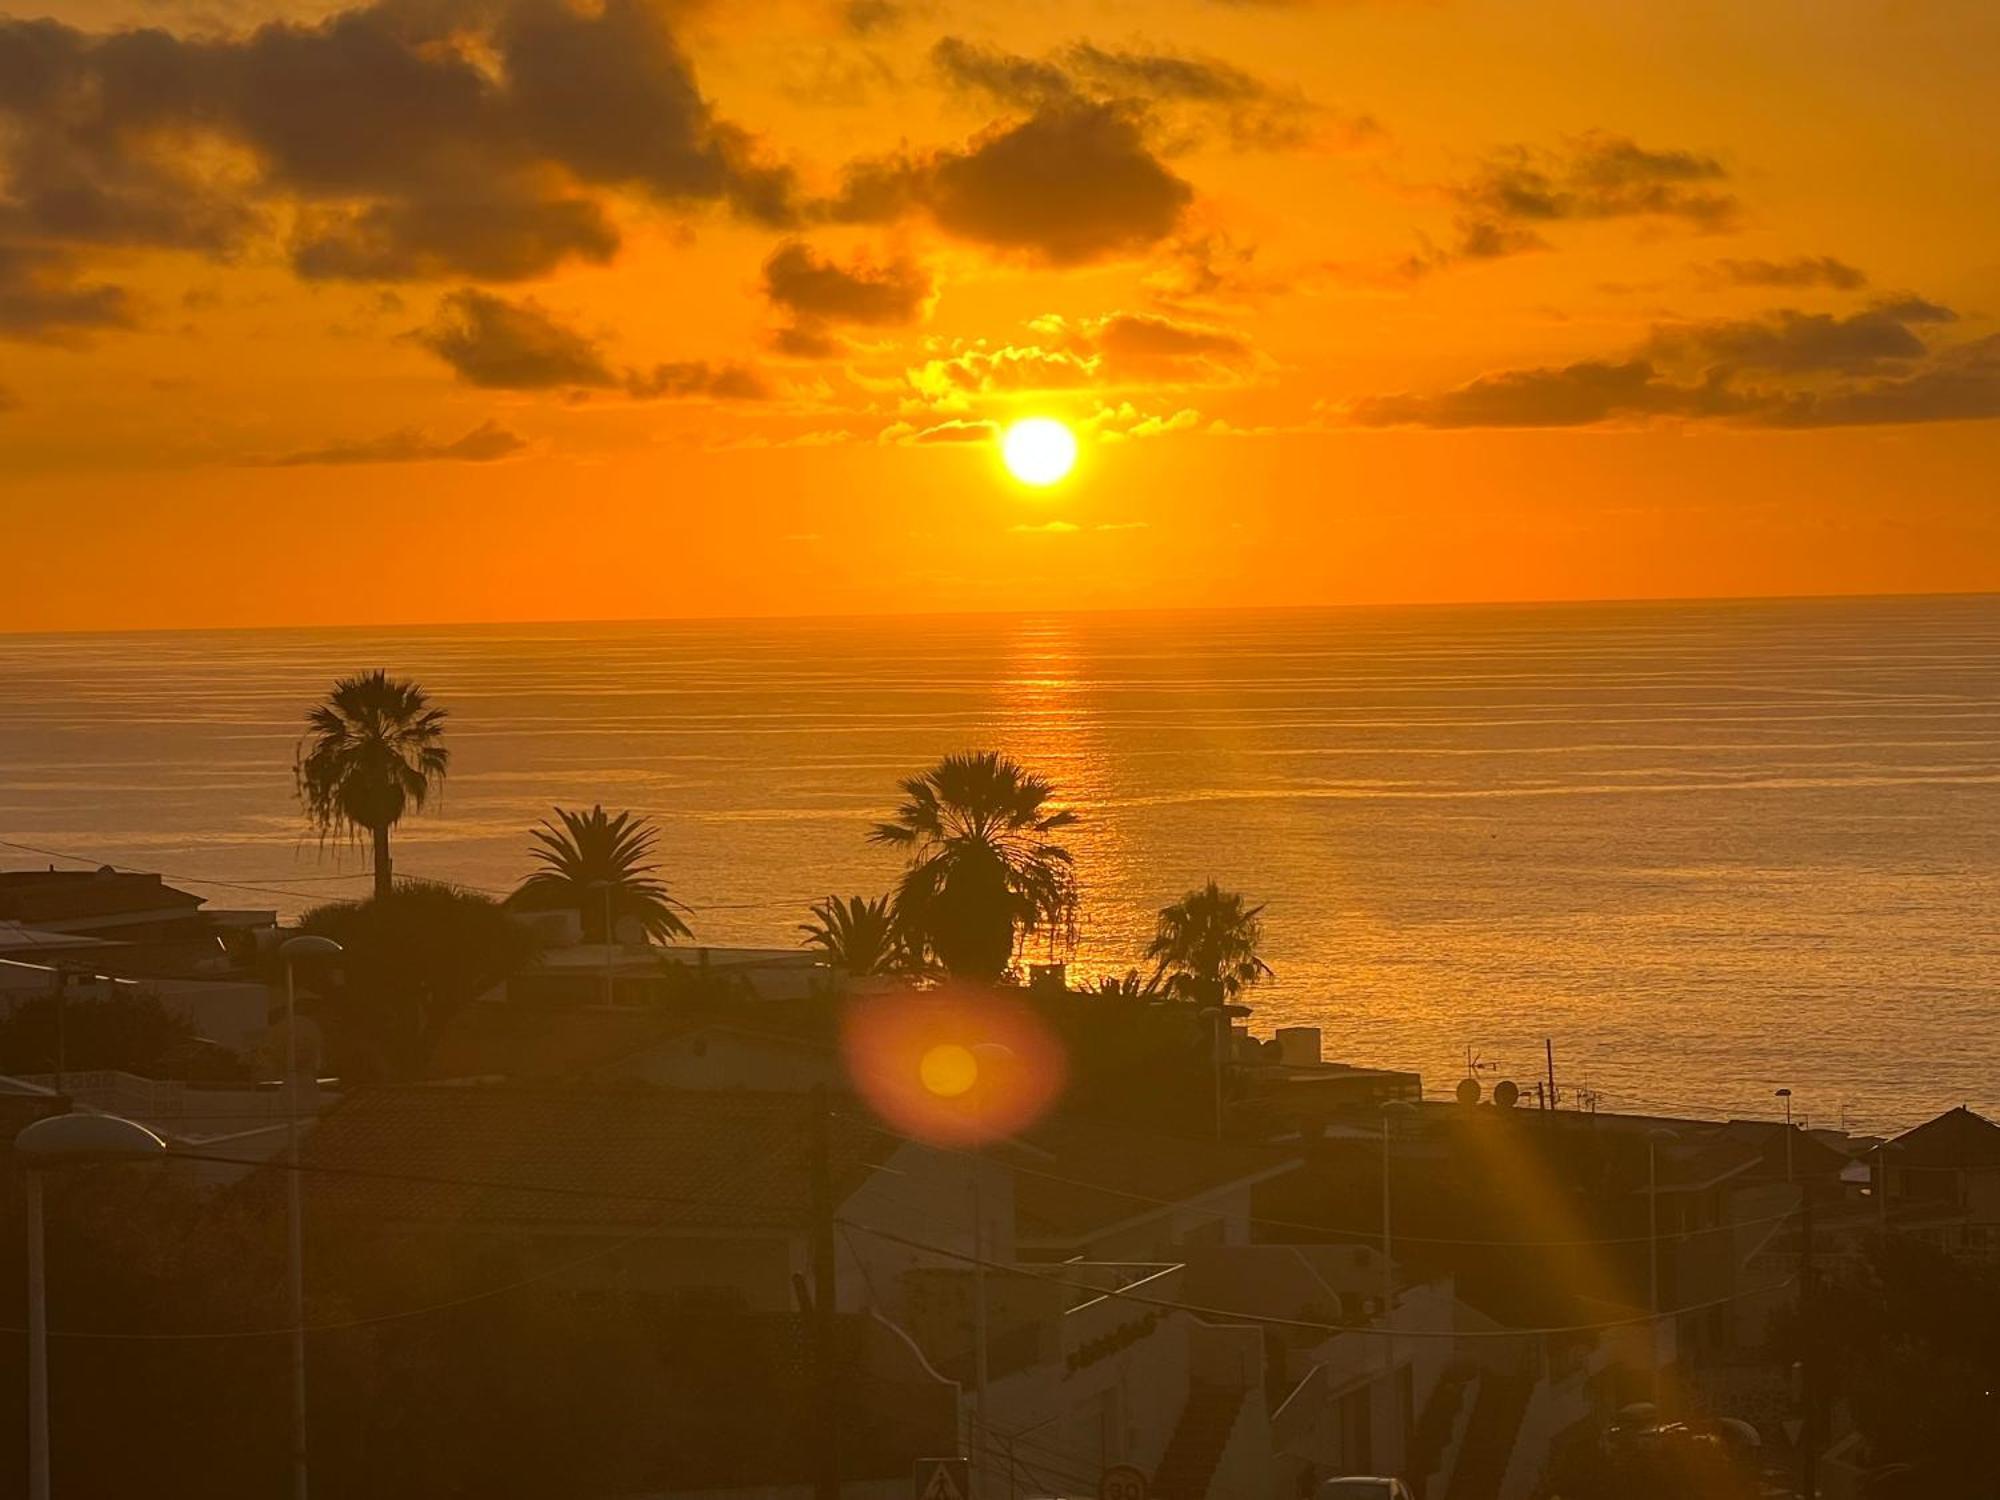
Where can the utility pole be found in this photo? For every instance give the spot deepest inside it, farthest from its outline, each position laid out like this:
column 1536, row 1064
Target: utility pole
column 1808, row 1352
column 62, row 1048
column 826, row 1466
column 1549, row 1048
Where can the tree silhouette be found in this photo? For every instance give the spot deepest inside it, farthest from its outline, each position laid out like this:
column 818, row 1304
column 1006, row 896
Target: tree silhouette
column 1205, row 947
column 983, row 867
column 411, row 961
column 598, row 865
column 371, row 755
column 859, row 934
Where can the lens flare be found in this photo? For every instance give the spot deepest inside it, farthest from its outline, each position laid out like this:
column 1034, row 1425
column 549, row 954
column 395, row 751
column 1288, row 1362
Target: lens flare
column 948, row 1070
column 955, row 1068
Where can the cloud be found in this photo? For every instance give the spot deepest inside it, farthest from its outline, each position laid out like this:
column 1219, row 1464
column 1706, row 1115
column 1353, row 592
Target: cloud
column 1801, row 271
column 1515, row 194
column 1071, row 184
column 1206, row 268
column 879, row 17
column 1010, row 369
column 1806, row 371
column 520, row 346
column 484, row 444
column 1186, row 97
column 909, row 434
column 489, row 232
column 1570, row 396
column 512, row 346
column 1144, row 346
column 1788, row 341
column 1122, row 349
column 405, row 140
column 42, row 299
column 819, row 295
column 720, row 380
column 1961, row 385
column 1114, row 424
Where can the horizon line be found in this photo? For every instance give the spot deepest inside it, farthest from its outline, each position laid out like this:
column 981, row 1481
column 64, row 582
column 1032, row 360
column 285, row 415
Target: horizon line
column 857, row 616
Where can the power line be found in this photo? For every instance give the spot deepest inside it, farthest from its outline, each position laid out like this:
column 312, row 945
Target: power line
column 1306, row 1325
column 265, row 889
column 1269, row 1222
column 347, row 1324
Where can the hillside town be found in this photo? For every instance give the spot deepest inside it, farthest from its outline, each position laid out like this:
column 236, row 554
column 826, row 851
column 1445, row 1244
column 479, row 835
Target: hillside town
column 596, row 1215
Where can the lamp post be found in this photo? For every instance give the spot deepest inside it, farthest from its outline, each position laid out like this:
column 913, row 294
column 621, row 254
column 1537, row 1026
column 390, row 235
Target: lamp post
column 306, row 945
column 59, row 1141
column 1653, row 1139
column 1390, row 1109
column 1786, row 1095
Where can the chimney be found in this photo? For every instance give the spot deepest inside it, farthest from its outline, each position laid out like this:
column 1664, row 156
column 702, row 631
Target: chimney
column 1298, row 1046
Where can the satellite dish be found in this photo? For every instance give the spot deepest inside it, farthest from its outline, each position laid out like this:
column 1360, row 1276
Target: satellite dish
column 1468, row 1091
column 1506, row 1093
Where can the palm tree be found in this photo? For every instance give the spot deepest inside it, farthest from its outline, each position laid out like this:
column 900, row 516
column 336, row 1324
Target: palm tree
column 1130, row 985
column 982, row 865
column 372, row 754
column 859, row 935
column 597, row 865
column 1206, row 946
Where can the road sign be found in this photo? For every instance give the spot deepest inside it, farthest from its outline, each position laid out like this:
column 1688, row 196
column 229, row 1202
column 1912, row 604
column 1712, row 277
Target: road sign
column 942, row 1479
column 1122, row 1482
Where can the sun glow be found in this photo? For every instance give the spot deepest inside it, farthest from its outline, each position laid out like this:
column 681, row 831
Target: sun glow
column 1038, row 450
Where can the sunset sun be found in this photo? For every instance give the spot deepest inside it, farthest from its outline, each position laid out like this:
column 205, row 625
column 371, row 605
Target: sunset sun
column 1038, row 450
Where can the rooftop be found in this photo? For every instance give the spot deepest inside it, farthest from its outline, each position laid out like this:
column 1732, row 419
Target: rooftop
column 640, row 1157
column 42, row 896
column 1958, row 1139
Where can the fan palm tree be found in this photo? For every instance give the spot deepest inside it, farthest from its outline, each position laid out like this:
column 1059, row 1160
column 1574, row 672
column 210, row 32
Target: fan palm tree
column 598, row 865
column 859, row 934
column 1205, row 947
column 372, row 754
column 983, row 867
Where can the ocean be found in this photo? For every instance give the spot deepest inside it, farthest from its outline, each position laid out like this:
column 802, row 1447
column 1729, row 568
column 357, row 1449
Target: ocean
column 1707, row 849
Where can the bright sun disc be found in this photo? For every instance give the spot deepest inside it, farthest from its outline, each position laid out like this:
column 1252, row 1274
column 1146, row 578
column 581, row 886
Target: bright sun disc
column 1038, row 450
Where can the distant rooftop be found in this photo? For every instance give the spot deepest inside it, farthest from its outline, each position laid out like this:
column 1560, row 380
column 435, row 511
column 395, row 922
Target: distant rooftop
column 506, row 1155
column 1958, row 1139
column 39, row 897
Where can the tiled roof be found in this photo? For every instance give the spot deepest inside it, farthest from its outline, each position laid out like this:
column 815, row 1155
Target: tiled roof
column 589, row 1157
column 1957, row 1139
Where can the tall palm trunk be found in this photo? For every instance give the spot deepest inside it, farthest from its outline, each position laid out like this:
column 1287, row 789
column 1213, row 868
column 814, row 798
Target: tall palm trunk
column 384, row 883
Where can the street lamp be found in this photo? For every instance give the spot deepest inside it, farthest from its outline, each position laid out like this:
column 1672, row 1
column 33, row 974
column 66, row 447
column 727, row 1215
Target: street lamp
column 1786, row 1095
column 61, row 1141
column 306, row 945
column 1653, row 1139
column 1391, row 1108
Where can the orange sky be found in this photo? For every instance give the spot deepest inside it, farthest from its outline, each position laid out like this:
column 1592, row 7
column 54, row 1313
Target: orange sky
column 520, row 309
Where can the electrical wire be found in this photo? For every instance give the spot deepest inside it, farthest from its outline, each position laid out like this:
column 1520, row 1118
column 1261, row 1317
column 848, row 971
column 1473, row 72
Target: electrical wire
column 1374, row 1235
column 348, row 1324
column 265, row 889
column 1302, row 1324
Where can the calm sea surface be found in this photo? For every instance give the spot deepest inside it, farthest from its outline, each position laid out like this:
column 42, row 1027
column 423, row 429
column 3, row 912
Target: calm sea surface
column 1710, row 849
